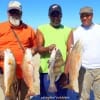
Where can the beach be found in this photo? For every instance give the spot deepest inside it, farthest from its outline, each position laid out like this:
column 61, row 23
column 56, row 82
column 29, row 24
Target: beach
column 1, row 94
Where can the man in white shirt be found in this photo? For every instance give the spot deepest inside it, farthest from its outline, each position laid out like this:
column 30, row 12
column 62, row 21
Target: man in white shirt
column 89, row 34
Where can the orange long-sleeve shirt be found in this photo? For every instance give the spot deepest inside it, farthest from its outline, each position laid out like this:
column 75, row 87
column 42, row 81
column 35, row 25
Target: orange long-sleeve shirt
column 26, row 36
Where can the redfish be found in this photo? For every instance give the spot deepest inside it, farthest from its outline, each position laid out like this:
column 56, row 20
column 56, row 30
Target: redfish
column 74, row 64
column 9, row 71
column 55, row 63
column 29, row 69
column 36, row 63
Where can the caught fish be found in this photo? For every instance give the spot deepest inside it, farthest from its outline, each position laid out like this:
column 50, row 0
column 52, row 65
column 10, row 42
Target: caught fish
column 29, row 70
column 36, row 63
column 59, row 62
column 9, row 71
column 55, row 63
column 74, row 64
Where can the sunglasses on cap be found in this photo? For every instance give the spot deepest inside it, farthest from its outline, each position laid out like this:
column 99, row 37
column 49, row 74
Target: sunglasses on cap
column 55, row 14
column 14, row 11
column 85, row 15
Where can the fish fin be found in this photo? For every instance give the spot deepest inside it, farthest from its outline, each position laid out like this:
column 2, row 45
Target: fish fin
column 8, row 92
column 30, row 93
column 58, row 77
column 67, row 86
column 71, row 87
column 52, row 88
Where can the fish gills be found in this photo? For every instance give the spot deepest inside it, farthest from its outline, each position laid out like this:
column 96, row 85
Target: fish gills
column 59, row 62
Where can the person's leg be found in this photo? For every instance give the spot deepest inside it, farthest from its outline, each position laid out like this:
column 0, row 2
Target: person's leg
column 22, row 90
column 65, row 93
column 2, row 82
column 61, row 93
column 92, row 95
column 37, row 97
column 2, row 85
column 96, row 84
column 85, row 83
column 44, row 85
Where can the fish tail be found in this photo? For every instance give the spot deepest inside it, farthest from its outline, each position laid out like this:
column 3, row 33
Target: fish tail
column 67, row 86
column 52, row 88
column 8, row 92
column 30, row 93
column 74, row 88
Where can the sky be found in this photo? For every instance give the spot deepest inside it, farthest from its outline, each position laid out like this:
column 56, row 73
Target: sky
column 35, row 12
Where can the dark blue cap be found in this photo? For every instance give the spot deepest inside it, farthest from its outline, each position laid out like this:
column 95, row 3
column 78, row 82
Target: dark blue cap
column 55, row 8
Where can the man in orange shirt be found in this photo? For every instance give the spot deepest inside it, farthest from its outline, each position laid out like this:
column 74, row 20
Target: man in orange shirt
column 27, row 39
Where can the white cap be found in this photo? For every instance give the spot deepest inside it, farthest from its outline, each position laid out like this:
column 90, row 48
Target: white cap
column 14, row 5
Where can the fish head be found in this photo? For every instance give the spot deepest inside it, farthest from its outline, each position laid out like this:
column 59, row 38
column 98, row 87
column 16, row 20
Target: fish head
column 28, row 53
column 78, row 46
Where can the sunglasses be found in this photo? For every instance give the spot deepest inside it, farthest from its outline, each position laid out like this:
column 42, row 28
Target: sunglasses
column 55, row 14
column 85, row 15
column 15, row 11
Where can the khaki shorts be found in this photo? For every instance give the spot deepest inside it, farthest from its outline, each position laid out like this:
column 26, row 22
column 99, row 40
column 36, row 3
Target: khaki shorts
column 89, row 78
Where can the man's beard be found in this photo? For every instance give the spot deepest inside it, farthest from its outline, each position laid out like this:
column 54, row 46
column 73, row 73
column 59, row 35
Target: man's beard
column 14, row 21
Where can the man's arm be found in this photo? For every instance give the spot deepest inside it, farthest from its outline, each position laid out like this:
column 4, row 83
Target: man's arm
column 40, row 43
column 69, row 45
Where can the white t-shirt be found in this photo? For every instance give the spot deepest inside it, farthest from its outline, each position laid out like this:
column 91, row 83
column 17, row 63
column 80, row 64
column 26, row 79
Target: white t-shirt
column 90, row 37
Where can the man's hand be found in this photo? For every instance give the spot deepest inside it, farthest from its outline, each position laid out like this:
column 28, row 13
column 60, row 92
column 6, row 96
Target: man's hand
column 51, row 47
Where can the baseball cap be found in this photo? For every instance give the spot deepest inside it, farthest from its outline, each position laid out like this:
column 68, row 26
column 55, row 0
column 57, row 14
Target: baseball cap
column 55, row 8
column 86, row 10
column 14, row 5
